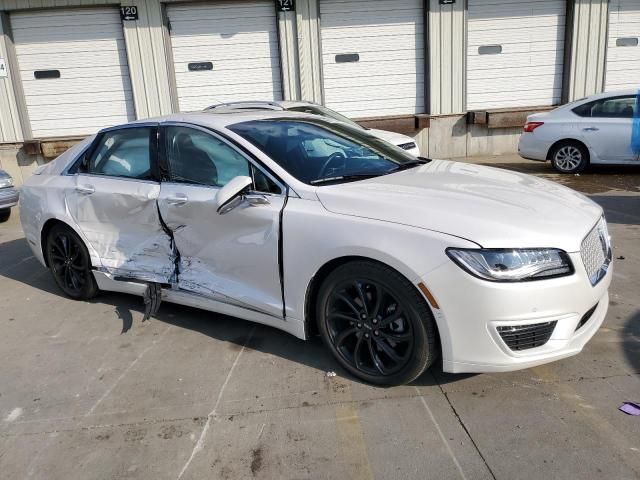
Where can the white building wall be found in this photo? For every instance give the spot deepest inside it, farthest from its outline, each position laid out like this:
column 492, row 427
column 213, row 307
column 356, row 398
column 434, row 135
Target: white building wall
column 147, row 55
column 588, row 49
column 288, row 36
column 308, row 28
column 10, row 127
column 446, row 57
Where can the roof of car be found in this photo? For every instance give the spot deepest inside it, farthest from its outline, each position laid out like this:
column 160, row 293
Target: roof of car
column 616, row 93
column 220, row 120
column 258, row 105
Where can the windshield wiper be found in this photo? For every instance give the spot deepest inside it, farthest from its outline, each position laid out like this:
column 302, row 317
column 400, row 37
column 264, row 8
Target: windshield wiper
column 347, row 178
column 413, row 163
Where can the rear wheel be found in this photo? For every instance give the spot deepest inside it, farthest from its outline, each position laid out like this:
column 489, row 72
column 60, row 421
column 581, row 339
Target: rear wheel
column 5, row 214
column 376, row 323
column 570, row 157
column 70, row 264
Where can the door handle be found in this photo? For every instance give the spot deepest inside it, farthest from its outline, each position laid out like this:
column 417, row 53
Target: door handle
column 177, row 199
column 590, row 129
column 85, row 189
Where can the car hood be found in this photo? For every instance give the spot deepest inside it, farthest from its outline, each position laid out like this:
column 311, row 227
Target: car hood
column 492, row 207
column 391, row 137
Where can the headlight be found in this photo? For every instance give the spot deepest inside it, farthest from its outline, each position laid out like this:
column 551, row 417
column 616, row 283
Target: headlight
column 6, row 182
column 513, row 265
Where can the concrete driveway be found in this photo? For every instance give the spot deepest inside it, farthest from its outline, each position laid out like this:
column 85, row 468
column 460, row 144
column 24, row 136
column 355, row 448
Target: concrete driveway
column 87, row 390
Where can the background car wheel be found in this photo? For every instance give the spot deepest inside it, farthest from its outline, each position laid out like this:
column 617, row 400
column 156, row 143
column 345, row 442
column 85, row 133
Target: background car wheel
column 376, row 324
column 570, row 157
column 70, row 264
column 5, row 214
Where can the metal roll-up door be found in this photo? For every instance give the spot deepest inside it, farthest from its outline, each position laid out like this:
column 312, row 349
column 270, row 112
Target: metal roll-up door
column 373, row 56
column 515, row 53
column 74, row 71
column 623, row 45
column 224, row 51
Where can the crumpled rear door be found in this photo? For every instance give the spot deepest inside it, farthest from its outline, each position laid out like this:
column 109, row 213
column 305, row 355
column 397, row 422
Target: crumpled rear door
column 120, row 220
column 114, row 203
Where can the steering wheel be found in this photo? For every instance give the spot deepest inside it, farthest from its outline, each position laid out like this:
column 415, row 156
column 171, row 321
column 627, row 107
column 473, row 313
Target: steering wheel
column 332, row 158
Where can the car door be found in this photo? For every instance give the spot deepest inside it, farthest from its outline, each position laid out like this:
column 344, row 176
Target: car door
column 231, row 257
column 114, row 204
column 606, row 127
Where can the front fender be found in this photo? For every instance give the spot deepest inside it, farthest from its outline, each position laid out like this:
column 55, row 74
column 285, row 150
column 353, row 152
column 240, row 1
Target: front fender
column 313, row 237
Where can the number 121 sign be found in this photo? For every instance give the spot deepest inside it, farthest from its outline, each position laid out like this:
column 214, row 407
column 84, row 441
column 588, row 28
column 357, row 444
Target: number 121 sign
column 285, row 5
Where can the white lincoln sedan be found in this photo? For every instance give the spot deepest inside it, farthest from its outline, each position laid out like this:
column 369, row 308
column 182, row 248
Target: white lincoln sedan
column 600, row 129
column 312, row 226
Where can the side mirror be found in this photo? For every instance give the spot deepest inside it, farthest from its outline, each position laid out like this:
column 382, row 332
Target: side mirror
column 230, row 196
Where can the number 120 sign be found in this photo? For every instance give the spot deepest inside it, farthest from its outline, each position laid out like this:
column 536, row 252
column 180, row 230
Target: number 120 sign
column 129, row 13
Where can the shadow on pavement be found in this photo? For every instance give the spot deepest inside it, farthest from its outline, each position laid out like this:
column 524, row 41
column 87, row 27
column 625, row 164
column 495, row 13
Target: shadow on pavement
column 618, row 209
column 17, row 264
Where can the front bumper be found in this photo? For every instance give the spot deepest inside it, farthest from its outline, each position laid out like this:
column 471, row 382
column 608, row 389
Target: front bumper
column 8, row 197
column 471, row 310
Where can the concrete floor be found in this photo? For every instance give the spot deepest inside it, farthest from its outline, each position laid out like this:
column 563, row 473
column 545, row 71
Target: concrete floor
column 89, row 391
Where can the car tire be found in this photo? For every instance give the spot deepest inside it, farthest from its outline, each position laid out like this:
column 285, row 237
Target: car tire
column 569, row 157
column 70, row 264
column 4, row 215
column 376, row 323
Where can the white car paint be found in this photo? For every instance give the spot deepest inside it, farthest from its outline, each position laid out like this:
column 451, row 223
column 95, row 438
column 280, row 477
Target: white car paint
column 405, row 142
column 608, row 140
column 404, row 220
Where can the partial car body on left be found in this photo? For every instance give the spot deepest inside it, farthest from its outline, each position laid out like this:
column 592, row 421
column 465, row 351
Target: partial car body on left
column 8, row 196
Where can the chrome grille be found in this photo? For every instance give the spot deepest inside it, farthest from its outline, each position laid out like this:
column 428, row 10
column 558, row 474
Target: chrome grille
column 596, row 252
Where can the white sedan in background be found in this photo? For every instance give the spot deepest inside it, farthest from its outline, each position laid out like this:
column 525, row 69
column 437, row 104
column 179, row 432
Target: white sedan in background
column 310, row 225
column 595, row 130
column 399, row 140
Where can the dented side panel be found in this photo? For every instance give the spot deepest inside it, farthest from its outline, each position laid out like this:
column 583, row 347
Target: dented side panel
column 232, row 258
column 120, row 220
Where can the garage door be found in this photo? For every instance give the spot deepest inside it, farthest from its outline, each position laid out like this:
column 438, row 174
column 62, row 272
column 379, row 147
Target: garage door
column 623, row 53
column 74, row 71
column 515, row 53
column 373, row 56
column 225, row 51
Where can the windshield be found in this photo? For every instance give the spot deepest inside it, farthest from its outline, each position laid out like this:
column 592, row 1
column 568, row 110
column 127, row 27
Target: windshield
column 316, row 151
column 324, row 112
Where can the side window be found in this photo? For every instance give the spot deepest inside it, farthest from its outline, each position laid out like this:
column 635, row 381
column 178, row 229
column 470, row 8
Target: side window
column 618, row 107
column 197, row 157
column 123, row 153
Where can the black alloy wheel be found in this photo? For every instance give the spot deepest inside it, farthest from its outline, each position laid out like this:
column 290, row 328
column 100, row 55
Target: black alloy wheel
column 69, row 262
column 376, row 323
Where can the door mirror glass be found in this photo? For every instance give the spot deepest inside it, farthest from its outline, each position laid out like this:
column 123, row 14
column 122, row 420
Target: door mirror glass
column 229, row 196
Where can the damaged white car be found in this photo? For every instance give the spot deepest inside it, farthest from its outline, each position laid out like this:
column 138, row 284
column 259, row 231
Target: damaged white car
column 310, row 225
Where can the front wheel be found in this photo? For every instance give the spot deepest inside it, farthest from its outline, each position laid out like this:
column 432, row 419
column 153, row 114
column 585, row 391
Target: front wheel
column 570, row 157
column 70, row 264
column 5, row 214
column 376, row 324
